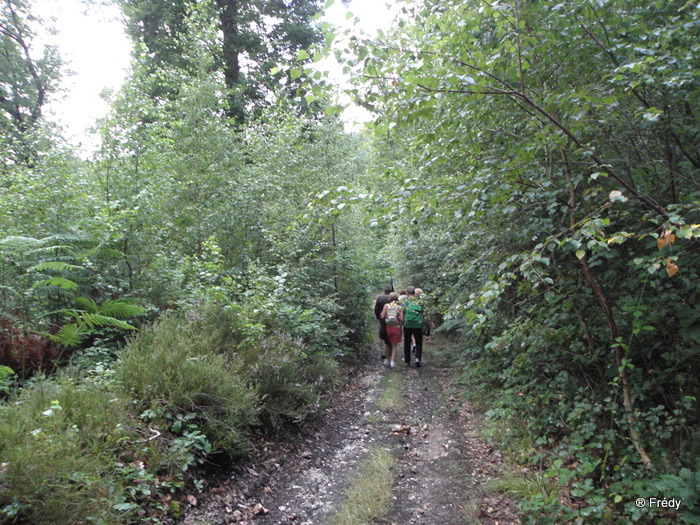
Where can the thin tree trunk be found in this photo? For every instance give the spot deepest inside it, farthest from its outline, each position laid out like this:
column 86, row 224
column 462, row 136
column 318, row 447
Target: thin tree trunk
column 612, row 325
column 335, row 259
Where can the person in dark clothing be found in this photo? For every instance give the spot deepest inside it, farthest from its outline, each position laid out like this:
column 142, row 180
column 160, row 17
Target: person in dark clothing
column 413, row 312
column 378, row 307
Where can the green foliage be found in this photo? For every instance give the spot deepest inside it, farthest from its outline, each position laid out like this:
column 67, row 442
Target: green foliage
column 545, row 170
column 104, row 441
column 59, row 444
column 182, row 366
column 5, row 381
column 95, row 362
column 42, row 281
column 92, row 317
column 292, row 384
column 28, row 290
column 267, row 34
column 28, row 80
column 182, row 210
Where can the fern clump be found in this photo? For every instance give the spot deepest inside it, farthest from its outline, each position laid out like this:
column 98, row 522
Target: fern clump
column 89, row 317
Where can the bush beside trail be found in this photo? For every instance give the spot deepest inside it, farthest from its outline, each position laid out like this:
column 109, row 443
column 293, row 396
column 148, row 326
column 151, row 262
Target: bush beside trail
column 118, row 446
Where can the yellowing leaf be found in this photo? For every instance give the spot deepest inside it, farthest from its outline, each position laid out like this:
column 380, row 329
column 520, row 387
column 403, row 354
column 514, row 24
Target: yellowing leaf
column 615, row 193
column 666, row 238
column 580, row 254
column 671, row 268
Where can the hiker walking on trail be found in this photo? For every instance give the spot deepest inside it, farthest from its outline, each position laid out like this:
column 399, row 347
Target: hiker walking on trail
column 413, row 313
column 393, row 319
column 378, row 308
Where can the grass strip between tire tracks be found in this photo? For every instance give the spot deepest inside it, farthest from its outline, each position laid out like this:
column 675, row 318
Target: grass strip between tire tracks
column 369, row 492
column 391, row 396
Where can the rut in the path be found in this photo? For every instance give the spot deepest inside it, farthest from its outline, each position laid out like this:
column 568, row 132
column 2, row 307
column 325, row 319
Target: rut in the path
column 442, row 468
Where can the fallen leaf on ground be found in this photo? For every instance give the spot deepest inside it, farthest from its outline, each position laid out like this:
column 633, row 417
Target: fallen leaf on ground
column 401, row 429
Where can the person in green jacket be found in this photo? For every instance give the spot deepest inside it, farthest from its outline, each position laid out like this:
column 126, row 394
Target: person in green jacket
column 412, row 326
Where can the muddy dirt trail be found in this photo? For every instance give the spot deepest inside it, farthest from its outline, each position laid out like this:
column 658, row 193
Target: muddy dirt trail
column 434, row 470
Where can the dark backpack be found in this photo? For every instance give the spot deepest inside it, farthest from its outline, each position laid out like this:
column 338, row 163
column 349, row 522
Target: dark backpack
column 413, row 314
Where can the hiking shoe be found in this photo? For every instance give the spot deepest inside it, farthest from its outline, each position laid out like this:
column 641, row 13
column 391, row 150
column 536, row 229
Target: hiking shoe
column 413, row 349
column 392, row 364
column 418, row 365
column 385, row 362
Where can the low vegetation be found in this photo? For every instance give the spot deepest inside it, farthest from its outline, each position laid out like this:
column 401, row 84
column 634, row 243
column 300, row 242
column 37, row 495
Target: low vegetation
column 391, row 397
column 116, row 446
column 369, row 493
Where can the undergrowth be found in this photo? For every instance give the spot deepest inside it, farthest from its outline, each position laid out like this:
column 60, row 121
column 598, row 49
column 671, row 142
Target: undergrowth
column 115, row 441
column 559, row 477
column 59, row 444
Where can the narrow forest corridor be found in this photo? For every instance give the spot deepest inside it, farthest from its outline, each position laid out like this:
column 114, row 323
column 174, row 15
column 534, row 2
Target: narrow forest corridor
column 188, row 282
column 437, row 468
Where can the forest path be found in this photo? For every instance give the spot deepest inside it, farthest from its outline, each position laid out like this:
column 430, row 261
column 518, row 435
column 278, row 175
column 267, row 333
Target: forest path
column 435, row 465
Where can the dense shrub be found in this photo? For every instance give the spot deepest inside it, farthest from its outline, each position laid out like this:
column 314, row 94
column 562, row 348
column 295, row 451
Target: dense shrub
column 291, row 383
column 181, row 368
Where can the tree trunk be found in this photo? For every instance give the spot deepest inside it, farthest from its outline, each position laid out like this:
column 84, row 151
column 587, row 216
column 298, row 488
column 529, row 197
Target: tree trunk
column 229, row 14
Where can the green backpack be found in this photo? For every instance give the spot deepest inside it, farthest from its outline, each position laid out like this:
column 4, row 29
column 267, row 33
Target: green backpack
column 413, row 314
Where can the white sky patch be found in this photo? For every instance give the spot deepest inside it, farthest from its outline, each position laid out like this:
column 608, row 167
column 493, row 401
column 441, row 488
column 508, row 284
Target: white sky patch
column 373, row 15
column 96, row 53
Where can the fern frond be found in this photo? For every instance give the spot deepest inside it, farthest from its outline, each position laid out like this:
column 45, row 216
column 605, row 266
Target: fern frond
column 20, row 243
column 65, row 284
column 53, row 265
column 87, row 304
column 71, row 237
column 50, row 249
column 68, row 335
column 10, row 289
column 98, row 320
column 120, row 309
